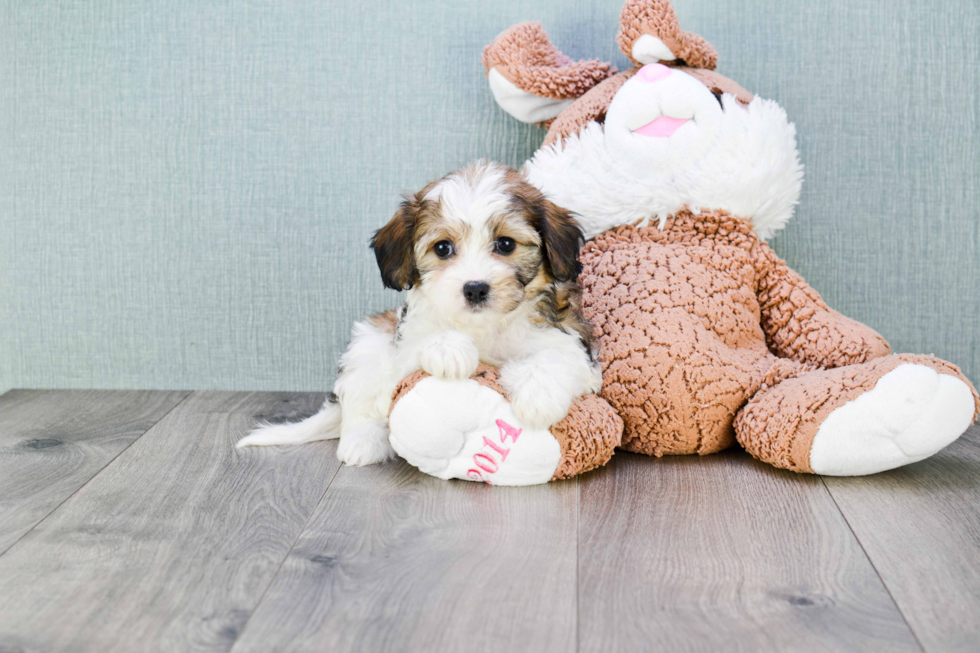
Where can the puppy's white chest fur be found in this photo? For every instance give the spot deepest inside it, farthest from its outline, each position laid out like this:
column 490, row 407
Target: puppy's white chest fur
column 497, row 338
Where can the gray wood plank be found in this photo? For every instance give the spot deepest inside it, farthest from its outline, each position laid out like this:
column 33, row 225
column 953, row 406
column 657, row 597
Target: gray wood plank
column 920, row 526
column 171, row 546
column 397, row 561
column 724, row 553
column 53, row 441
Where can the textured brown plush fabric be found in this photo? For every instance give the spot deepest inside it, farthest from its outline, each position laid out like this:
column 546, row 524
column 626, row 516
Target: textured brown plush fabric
column 680, row 326
column 778, row 424
column 799, row 325
column 526, row 57
column 657, row 18
column 701, row 320
column 588, row 108
column 588, row 435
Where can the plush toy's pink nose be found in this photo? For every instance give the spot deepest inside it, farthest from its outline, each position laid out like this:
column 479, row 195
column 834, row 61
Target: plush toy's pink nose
column 653, row 72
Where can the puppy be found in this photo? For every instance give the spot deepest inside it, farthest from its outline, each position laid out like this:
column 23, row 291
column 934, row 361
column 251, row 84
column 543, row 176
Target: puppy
column 490, row 269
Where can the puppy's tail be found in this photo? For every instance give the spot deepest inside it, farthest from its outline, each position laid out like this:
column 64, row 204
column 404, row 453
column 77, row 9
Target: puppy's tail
column 325, row 425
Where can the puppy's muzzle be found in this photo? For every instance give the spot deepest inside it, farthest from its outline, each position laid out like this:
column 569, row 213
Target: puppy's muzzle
column 476, row 292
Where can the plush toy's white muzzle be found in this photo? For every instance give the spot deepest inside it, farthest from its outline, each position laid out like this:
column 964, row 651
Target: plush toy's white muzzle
column 661, row 119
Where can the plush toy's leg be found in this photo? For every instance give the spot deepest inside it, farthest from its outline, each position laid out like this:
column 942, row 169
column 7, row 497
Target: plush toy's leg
column 467, row 430
column 859, row 419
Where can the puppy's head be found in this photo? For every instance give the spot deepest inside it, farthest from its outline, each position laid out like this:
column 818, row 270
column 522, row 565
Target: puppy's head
column 478, row 242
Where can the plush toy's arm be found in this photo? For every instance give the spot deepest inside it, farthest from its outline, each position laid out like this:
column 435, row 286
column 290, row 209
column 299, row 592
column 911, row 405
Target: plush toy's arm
column 799, row 325
column 531, row 80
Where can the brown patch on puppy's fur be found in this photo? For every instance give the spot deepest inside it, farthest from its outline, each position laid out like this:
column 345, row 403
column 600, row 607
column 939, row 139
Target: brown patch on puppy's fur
column 559, row 297
column 559, row 232
column 560, row 304
column 387, row 321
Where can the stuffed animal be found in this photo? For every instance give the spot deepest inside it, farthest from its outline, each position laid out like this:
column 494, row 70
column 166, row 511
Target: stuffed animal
column 677, row 175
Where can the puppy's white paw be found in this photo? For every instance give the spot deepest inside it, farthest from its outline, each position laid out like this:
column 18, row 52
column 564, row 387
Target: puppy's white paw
column 537, row 410
column 450, row 355
column 538, row 398
column 365, row 444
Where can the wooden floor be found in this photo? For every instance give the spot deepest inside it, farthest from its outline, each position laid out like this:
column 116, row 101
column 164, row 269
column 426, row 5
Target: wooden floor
column 128, row 522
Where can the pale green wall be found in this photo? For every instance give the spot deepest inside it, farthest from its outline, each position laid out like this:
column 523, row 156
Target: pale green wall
column 187, row 188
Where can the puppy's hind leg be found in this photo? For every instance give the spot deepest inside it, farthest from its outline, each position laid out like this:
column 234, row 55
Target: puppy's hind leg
column 365, row 385
column 357, row 411
column 325, row 425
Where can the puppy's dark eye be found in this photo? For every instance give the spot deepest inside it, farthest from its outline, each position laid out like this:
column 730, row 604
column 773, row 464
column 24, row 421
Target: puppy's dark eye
column 443, row 249
column 505, row 245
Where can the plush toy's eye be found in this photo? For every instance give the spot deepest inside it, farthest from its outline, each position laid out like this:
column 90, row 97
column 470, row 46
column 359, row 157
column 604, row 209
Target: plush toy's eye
column 717, row 93
column 505, row 245
column 443, row 249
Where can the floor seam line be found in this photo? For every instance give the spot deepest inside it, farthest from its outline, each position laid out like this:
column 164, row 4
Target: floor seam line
column 284, row 559
column 871, row 562
column 99, row 471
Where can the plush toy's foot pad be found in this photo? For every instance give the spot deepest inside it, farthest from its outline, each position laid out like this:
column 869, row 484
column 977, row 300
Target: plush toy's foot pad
column 464, row 430
column 467, row 430
column 910, row 414
column 859, row 419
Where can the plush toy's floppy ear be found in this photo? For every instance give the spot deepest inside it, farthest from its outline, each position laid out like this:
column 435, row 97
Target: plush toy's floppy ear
column 650, row 33
column 393, row 246
column 531, row 80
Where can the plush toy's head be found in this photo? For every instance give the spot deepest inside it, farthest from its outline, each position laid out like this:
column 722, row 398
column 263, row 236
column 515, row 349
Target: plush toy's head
column 626, row 148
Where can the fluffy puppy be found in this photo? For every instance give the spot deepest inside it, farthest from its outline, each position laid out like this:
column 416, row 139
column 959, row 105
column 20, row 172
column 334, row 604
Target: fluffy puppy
column 489, row 266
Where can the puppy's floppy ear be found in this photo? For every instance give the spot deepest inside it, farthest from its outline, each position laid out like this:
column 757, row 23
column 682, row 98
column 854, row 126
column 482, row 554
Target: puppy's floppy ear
column 394, row 243
column 562, row 240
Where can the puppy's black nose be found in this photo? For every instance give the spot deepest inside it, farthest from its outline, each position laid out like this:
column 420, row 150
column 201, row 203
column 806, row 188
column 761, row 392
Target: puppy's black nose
column 476, row 292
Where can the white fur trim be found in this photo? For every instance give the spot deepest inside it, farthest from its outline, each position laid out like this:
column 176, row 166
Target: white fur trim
column 910, row 414
column 650, row 49
column 524, row 106
column 440, row 427
column 751, row 169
